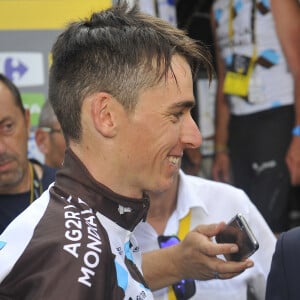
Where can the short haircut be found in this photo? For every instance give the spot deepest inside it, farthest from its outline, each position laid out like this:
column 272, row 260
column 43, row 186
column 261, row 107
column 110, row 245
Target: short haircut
column 120, row 51
column 47, row 116
column 14, row 90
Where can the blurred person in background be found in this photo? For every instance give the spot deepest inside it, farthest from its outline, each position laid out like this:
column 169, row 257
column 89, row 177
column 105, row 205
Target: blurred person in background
column 257, row 114
column 21, row 180
column 49, row 137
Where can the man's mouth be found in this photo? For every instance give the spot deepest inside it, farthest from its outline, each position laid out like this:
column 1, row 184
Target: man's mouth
column 174, row 159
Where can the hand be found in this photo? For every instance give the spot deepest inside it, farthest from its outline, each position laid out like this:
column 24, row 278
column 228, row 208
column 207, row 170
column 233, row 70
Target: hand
column 220, row 169
column 195, row 256
column 293, row 160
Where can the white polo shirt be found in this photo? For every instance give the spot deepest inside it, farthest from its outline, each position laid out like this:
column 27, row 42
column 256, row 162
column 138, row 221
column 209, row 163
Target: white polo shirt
column 213, row 202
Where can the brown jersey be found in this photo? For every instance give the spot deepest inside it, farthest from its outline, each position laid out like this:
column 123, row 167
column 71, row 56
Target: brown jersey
column 74, row 242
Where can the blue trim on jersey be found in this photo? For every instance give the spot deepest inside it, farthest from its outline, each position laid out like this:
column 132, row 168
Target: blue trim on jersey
column 2, row 244
column 122, row 276
column 238, row 6
column 128, row 253
column 218, row 14
column 271, row 55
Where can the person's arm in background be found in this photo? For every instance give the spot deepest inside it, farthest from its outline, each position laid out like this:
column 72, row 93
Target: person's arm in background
column 192, row 161
column 220, row 170
column 194, row 257
column 287, row 22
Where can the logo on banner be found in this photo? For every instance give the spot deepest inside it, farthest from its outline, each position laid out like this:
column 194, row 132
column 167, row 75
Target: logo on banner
column 12, row 69
column 23, row 68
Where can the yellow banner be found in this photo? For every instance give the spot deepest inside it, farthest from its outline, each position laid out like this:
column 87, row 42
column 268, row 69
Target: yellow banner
column 45, row 14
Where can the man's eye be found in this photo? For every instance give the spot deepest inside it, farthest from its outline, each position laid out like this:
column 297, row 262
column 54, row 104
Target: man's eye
column 7, row 128
column 178, row 114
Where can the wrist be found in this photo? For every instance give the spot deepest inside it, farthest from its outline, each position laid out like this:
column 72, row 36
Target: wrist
column 221, row 148
column 177, row 263
column 296, row 131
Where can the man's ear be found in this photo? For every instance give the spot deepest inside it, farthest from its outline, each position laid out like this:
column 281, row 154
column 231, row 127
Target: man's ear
column 27, row 120
column 41, row 139
column 103, row 114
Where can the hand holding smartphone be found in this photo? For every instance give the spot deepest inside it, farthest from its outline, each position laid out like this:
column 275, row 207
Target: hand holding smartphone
column 237, row 231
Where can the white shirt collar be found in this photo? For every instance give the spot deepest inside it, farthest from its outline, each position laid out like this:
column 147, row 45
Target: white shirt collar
column 188, row 197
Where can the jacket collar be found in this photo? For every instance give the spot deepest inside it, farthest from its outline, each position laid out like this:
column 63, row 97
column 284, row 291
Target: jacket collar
column 73, row 179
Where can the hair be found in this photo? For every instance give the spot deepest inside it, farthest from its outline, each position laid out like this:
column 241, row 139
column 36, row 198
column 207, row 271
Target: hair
column 47, row 115
column 119, row 51
column 15, row 92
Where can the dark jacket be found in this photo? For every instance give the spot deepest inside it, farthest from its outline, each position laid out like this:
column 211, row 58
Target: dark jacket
column 283, row 280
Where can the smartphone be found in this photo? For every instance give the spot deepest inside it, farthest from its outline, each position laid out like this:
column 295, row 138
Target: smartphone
column 237, row 231
column 185, row 288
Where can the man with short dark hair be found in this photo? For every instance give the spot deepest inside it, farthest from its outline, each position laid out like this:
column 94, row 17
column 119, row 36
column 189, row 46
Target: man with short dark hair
column 121, row 85
column 21, row 180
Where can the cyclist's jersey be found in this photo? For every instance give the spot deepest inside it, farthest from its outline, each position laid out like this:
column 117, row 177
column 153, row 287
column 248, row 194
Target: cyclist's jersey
column 241, row 31
column 74, row 242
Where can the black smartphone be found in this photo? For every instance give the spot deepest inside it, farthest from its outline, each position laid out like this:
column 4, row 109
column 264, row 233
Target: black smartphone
column 185, row 288
column 237, row 231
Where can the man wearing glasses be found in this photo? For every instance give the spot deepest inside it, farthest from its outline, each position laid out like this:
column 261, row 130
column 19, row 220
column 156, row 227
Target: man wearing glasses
column 49, row 137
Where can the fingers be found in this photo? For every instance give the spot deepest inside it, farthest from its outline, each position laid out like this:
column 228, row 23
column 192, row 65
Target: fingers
column 222, row 269
column 210, row 230
column 227, row 269
column 219, row 267
column 211, row 248
column 293, row 160
column 220, row 169
column 200, row 258
column 294, row 170
column 216, row 268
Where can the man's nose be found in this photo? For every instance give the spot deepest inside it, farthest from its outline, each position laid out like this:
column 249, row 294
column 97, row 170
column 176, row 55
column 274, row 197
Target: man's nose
column 191, row 136
column 2, row 144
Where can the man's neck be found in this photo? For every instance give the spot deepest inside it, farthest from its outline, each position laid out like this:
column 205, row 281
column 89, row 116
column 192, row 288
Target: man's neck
column 162, row 205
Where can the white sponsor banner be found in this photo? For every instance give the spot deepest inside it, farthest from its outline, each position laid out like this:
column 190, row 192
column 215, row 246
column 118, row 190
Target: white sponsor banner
column 148, row 6
column 167, row 11
column 23, row 68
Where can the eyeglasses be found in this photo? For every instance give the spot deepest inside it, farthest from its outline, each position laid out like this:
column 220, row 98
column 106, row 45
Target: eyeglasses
column 51, row 130
column 185, row 288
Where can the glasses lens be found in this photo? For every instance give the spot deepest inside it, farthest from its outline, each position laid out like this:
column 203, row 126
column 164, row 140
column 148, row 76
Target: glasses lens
column 51, row 130
column 167, row 241
column 184, row 289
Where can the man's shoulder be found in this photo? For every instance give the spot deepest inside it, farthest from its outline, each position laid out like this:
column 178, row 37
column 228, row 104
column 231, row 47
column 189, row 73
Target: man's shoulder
column 48, row 175
column 290, row 239
column 48, row 171
column 44, row 172
column 211, row 185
